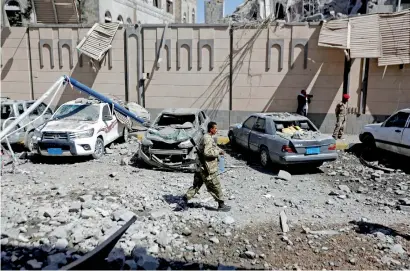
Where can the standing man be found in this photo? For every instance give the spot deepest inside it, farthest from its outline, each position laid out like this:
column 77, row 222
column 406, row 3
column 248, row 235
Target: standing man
column 207, row 169
column 341, row 112
column 303, row 103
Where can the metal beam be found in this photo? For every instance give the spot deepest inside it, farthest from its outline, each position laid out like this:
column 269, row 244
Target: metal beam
column 365, row 84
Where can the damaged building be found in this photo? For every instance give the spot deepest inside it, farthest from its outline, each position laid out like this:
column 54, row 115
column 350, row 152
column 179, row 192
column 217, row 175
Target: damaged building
column 312, row 10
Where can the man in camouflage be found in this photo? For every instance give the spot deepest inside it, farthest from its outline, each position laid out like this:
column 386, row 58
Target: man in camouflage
column 207, row 169
column 341, row 112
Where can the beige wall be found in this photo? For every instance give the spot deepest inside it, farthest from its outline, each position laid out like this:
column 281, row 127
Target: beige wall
column 15, row 75
column 255, row 88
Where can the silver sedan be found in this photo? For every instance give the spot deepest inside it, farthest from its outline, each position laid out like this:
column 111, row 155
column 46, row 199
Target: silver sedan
column 283, row 138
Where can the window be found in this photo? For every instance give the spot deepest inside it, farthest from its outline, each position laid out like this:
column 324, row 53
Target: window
column 129, row 21
column 13, row 13
column 168, row 119
column 398, row 120
column 20, row 109
column 260, row 125
column 107, row 17
column 6, row 111
column 184, row 18
column 193, row 16
column 120, row 20
column 169, row 6
column 156, row 3
column 39, row 110
column 106, row 111
column 249, row 123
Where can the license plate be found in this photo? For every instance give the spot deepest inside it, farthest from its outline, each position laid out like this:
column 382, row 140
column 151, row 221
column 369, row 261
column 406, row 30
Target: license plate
column 315, row 150
column 55, row 151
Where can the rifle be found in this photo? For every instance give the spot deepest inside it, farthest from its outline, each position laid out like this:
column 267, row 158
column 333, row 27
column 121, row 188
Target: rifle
column 200, row 156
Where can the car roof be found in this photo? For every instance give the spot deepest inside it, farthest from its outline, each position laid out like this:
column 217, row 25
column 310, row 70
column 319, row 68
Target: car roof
column 181, row 111
column 406, row 110
column 281, row 116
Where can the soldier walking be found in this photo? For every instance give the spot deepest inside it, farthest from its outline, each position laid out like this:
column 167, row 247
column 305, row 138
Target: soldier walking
column 341, row 112
column 207, row 169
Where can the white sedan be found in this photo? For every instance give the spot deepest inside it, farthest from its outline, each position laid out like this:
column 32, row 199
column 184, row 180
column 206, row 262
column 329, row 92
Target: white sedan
column 391, row 135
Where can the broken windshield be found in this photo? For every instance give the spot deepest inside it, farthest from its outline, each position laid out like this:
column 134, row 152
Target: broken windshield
column 83, row 112
column 175, row 120
column 284, row 126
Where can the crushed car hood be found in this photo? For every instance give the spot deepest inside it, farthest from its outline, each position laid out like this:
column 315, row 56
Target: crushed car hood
column 170, row 135
column 67, row 126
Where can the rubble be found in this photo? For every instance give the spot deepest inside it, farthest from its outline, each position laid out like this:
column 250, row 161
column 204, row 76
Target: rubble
column 95, row 206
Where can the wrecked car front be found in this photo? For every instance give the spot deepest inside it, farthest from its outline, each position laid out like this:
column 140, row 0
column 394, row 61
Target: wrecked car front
column 170, row 146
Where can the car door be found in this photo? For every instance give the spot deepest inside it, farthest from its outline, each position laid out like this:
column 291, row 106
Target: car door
column 391, row 132
column 110, row 125
column 257, row 134
column 242, row 136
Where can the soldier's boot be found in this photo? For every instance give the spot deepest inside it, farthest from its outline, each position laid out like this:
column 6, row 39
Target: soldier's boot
column 222, row 207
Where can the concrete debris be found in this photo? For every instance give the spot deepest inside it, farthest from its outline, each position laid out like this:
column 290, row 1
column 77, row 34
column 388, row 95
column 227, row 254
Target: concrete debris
column 34, row 264
column 284, row 175
column 283, row 219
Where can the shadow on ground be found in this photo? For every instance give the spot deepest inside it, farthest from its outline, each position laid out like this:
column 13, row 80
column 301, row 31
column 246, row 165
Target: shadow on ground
column 252, row 161
column 48, row 258
column 178, row 205
column 370, row 228
column 380, row 157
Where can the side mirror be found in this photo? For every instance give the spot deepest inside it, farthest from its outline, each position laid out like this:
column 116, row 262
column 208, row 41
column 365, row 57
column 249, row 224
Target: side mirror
column 107, row 117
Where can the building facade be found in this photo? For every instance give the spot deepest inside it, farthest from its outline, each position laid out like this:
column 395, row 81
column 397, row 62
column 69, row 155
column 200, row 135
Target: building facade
column 214, row 11
column 23, row 12
column 273, row 66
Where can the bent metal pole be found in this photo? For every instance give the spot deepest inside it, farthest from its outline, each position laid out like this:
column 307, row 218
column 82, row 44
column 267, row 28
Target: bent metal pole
column 12, row 125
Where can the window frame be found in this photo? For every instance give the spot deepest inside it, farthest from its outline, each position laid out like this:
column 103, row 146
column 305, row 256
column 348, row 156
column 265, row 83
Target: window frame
column 244, row 123
column 393, row 116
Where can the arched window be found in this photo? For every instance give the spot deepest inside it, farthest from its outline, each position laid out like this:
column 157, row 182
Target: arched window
column 169, row 6
column 107, row 17
column 193, row 16
column 120, row 20
column 184, row 18
column 13, row 13
column 129, row 21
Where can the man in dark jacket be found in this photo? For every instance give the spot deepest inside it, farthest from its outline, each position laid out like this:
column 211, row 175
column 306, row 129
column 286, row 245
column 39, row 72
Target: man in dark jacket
column 303, row 101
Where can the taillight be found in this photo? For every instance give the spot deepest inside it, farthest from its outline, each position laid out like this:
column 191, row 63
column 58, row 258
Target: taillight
column 332, row 147
column 286, row 148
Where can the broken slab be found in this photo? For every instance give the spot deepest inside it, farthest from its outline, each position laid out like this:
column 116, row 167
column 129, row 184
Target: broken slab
column 283, row 219
column 284, row 175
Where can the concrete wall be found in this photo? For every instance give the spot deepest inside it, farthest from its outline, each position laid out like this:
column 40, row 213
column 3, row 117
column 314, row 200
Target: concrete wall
column 295, row 63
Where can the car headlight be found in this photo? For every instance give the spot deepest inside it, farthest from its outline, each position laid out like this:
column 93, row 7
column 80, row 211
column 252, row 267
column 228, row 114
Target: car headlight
column 83, row 134
column 185, row 145
column 146, row 142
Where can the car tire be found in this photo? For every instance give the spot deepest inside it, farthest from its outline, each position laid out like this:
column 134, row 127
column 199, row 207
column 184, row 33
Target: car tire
column 264, row 157
column 368, row 140
column 125, row 135
column 99, row 148
column 29, row 141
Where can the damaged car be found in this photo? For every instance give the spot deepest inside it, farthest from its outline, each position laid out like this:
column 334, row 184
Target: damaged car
column 167, row 143
column 79, row 128
column 283, row 138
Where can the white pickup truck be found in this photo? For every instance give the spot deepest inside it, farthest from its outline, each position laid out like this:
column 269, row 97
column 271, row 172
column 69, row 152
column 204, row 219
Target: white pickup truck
column 79, row 128
column 392, row 135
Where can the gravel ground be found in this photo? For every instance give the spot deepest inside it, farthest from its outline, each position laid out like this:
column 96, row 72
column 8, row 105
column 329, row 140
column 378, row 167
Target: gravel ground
column 53, row 211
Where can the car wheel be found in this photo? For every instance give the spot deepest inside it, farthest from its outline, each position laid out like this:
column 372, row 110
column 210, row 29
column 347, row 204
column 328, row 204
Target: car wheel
column 125, row 135
column 264, row 157
column 99, row 148
column 29, row 141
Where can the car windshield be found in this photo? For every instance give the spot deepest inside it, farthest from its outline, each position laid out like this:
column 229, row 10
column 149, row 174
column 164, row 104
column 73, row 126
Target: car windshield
column 173, row 120
column 6, row 111
column 284, row 126
column 84, row 112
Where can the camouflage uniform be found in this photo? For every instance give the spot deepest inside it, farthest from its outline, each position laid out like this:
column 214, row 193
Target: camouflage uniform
column 211, row 152
column 341, row 111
